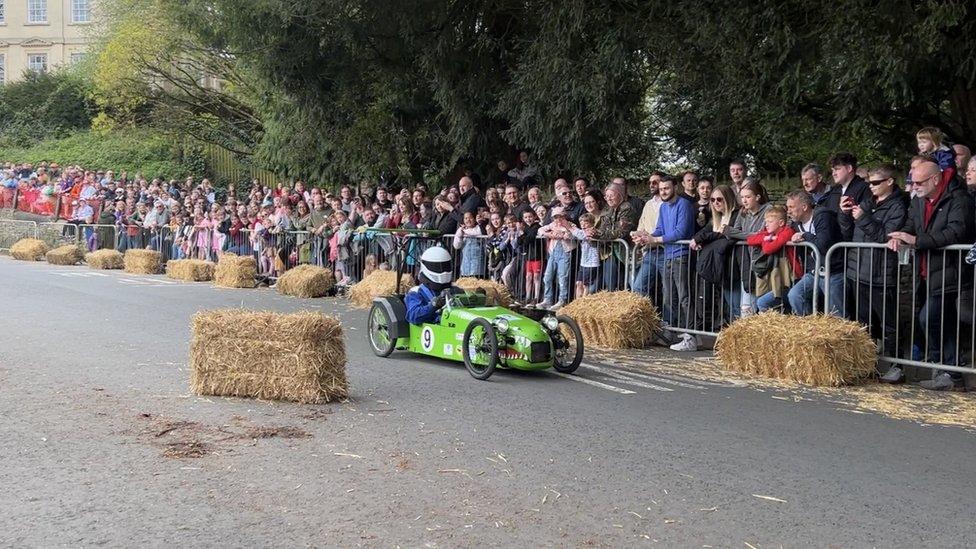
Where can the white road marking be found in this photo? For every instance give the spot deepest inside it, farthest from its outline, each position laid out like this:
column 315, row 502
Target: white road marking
column 689, row 383
column 628, row 380
column 595, row 383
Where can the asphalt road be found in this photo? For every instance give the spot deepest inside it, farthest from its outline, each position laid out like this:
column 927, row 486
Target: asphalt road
column 96, row 423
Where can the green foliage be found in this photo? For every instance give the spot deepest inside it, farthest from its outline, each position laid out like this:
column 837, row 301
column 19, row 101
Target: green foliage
column 43, row 105
column 134, row 150
column 787, row 82
column 149, row 71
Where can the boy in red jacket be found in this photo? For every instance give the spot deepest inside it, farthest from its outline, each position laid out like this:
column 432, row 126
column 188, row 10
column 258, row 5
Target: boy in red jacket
column 774, row 273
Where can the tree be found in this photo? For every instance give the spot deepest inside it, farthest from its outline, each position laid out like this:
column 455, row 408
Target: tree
column 769, row 77
column 148, row 70
column 43, row 105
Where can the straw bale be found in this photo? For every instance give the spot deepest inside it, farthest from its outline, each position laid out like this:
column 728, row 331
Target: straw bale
column 235, row 271
column 817, row 350
column 191, row 270
column 306, row 281
column 69, row 254
column 299, row 356
column 615, row 320
column 147, row 262
column 29, row 249
column 377, row 284
column 104, row 259
column 492, row 288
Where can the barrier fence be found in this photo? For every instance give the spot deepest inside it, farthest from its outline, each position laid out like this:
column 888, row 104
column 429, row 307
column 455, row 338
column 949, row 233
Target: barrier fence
column 919, row 306
column 12, row 230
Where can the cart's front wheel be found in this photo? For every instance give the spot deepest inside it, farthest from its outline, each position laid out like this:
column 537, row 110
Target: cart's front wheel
column 567, row 345
column 480, row 348
column 378, row 326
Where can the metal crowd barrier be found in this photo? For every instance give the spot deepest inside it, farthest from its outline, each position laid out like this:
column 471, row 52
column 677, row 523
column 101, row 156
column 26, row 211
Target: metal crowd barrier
column 919, row 317
column 98, row 237
column 12, row 230
column 56, row 234
column 697, row 302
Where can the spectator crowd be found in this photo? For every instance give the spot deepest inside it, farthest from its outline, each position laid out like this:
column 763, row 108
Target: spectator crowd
column 706, row 252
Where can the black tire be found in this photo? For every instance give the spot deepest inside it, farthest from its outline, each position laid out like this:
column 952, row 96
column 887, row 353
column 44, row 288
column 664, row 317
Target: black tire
column 567, row 355
column 488, row 347
column 378, row 330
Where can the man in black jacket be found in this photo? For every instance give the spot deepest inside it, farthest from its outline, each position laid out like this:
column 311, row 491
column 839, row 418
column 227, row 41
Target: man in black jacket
column 817, row 227
column 873, row 272
column 941, row 215
column 843, row 169
column 469, row 200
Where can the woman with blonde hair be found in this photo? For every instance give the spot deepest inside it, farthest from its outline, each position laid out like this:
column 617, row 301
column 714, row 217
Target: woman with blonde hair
column 714, row 302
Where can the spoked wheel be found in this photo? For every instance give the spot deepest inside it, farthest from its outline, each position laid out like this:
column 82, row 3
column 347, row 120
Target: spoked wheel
column 567, row 345
column 480, row 349
column 378, row 326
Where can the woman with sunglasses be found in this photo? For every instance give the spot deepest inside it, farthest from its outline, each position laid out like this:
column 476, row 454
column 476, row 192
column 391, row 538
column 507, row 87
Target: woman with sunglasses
column 712, row 265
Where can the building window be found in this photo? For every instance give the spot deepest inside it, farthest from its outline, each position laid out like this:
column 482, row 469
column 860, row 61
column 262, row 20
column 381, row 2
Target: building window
column 3, row 68
column 3, row 11
column 37, row 62
column 77, row 57
column 37, row 11
column 80, row 11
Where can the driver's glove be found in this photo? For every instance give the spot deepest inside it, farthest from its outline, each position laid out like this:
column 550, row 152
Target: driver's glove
column 439, row 301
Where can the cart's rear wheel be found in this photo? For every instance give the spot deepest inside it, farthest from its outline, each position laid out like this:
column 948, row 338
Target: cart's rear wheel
column 480, row 348
column 567, row 345
column 378, row 326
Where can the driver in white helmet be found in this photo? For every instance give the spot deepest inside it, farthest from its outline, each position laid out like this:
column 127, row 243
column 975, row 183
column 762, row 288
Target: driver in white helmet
column 424, row 302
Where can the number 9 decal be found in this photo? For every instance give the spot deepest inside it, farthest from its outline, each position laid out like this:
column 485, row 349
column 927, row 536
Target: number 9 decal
column 427, row 338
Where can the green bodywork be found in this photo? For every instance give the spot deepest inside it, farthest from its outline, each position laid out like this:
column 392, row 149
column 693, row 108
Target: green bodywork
column 443, row 340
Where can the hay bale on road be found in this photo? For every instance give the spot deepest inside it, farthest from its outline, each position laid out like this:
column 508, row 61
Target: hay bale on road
column 492, row 288
column 29, row 249
column 234, row 271
column 148, row 262
column 615, row 320
column 65, row 255
column 815, row 350
column 105, row 259
column 299, row 357
column 191, row 270
column 379, row 283
column 306, row 281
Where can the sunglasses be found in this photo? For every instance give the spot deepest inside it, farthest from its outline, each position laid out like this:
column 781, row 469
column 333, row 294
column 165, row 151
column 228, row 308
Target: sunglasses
column 920, row 181
column 874, row 182
column 717, row 199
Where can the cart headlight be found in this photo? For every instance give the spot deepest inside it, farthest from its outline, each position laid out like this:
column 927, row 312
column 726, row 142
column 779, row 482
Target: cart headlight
column 501, row 325
column 550, row 323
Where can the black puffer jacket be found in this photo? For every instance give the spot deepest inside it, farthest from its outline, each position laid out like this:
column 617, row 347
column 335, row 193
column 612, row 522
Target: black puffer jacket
column 952, row 223
column 713, row 259
column 876, row 265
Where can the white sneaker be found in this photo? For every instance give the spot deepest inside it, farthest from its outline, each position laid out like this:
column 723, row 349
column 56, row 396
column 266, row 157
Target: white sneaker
column 557, row 306
column 688, row 343
column 544, row 305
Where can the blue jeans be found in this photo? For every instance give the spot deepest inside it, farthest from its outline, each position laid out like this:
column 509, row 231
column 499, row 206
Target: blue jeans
column 801, row 295
column 612, row 273
column 768, row 301
column 938, row 318
column 650, row 272
column 557, row 266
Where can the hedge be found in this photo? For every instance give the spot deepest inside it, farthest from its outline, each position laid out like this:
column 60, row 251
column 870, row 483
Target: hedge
column 132, row 150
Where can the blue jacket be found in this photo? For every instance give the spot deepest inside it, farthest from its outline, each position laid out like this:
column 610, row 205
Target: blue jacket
column 676, row 222
column 420, row 308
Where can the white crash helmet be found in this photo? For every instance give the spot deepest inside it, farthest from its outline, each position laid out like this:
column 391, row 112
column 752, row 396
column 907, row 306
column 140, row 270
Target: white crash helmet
column 435, row 265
